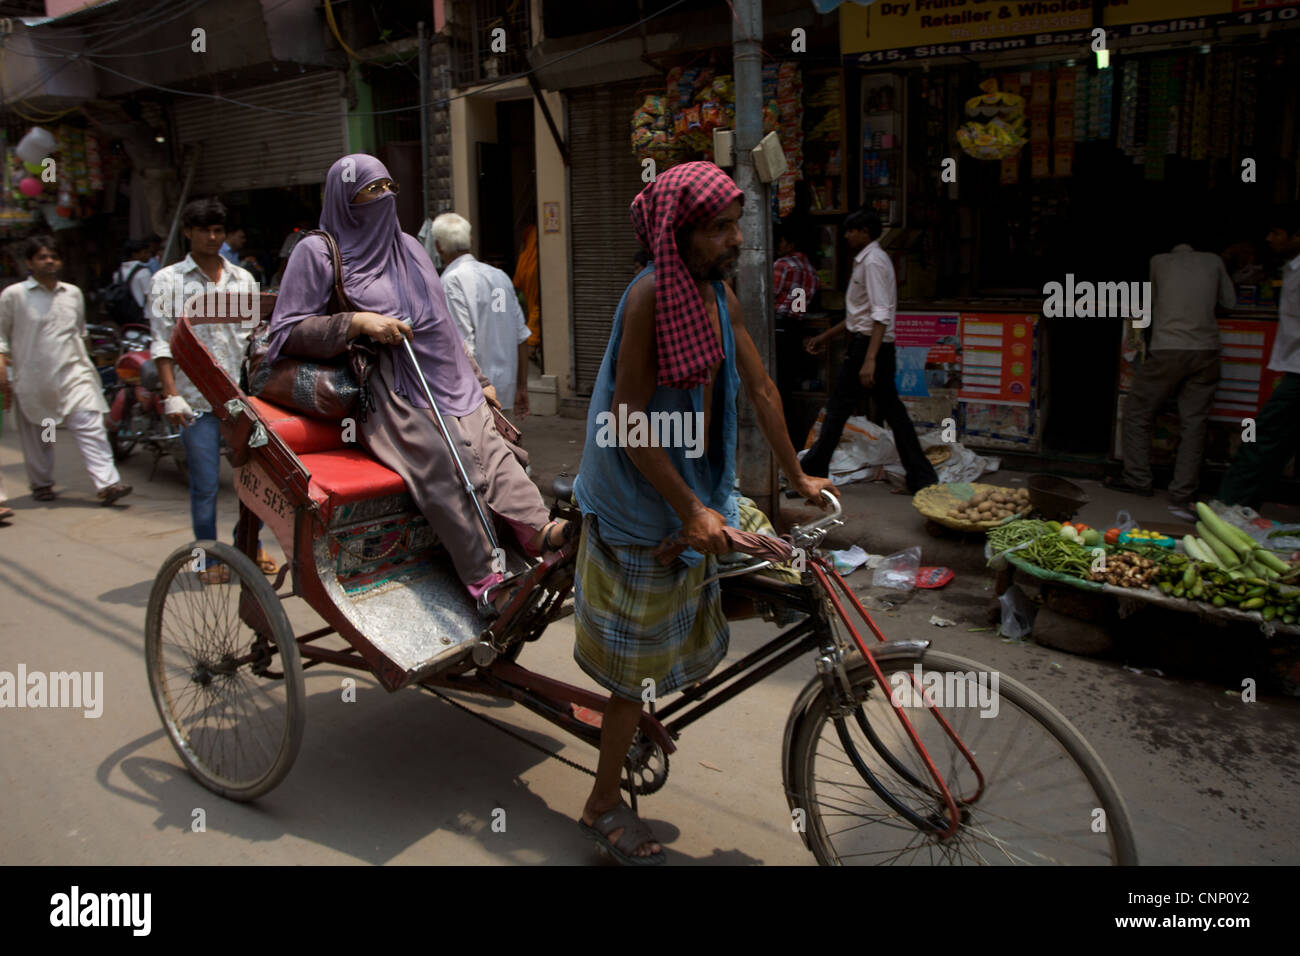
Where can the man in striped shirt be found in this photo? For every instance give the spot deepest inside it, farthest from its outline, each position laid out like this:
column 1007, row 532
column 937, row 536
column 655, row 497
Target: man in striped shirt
column 794, row 283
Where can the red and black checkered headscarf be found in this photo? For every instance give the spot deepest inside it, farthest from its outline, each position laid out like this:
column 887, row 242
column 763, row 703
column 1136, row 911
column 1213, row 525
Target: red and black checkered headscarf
column 681, row 196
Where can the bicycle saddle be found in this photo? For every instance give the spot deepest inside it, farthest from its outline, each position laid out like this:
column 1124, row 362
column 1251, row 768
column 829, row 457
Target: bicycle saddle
column 562, row 487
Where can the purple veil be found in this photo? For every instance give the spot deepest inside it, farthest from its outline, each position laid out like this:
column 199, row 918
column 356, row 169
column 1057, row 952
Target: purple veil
column 384, row 271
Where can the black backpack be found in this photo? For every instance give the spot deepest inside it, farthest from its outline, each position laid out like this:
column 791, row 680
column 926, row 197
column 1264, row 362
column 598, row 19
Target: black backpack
column 119, row 304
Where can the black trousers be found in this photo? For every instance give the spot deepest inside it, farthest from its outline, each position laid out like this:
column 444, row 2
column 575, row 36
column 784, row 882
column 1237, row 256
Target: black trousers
column 844, row 398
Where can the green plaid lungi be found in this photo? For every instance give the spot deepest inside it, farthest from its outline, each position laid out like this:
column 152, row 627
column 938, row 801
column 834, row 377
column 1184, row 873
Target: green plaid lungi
column 636, row 619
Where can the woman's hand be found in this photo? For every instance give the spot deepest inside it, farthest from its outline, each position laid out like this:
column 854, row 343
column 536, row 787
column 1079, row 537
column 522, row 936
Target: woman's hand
column 382, row 328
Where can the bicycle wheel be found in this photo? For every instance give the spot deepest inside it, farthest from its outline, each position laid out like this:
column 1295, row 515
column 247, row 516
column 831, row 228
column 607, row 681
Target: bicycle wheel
column 225, row 672
column 1046, row 797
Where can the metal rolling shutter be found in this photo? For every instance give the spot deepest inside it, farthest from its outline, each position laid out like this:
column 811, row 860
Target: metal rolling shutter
column 604, row 178
column 252, row 149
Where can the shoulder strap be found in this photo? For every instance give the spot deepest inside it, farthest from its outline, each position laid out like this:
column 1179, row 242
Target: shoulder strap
column 138, row 267
column 336, row 257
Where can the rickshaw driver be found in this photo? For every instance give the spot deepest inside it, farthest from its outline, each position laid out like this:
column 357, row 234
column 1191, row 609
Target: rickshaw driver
column 678, row 345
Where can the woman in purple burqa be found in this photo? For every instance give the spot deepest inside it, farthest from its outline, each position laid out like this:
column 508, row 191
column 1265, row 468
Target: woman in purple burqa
column 388, row 275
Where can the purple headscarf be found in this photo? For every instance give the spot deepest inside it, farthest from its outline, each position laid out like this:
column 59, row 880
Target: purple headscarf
column 384, row 271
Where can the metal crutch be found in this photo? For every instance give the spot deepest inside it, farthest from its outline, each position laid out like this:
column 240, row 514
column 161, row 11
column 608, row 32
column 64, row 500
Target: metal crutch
column 451, row 446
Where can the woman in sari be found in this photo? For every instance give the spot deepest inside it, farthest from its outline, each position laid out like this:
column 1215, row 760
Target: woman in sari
column 390, row 280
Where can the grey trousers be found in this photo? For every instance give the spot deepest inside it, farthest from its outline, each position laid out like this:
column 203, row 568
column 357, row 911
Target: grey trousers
column 1191, row 375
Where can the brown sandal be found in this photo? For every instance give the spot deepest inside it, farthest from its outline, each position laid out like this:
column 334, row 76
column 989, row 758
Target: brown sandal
column 217, row 574
column 44, row 494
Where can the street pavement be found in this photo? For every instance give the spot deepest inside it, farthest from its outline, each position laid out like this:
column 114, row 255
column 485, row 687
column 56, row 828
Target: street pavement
column 404, row 778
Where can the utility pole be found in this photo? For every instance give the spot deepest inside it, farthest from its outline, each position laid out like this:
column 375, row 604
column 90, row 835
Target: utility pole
column 754, row 464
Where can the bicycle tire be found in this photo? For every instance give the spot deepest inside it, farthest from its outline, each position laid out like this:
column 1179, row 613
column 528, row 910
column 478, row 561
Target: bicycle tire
column 208, row 637
column 1073, row 816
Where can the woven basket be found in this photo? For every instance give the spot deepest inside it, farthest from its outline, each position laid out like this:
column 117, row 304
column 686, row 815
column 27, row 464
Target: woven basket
column 934, row 501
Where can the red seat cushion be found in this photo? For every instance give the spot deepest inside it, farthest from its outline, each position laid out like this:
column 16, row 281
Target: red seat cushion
column 347, row 475
column 303, row 435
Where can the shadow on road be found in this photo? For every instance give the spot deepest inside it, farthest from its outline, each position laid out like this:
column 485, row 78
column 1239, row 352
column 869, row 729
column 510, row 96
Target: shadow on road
column 379, row 775
column 135, row 595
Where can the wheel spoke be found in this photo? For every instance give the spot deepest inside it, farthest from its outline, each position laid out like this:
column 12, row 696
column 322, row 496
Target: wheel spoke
column 1037, row 796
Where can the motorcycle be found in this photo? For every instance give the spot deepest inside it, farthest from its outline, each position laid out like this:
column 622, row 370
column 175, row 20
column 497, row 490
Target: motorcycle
column 135, row 403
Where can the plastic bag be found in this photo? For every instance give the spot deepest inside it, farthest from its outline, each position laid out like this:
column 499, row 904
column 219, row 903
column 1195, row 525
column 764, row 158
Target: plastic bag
column 898, row 571
column 1124, row 521
column 1017, row 613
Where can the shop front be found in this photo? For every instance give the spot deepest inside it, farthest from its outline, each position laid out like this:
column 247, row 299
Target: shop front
column 1029, row 170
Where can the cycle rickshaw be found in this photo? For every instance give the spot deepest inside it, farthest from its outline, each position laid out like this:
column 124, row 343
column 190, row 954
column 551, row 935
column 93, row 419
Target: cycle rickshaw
column 885, row 756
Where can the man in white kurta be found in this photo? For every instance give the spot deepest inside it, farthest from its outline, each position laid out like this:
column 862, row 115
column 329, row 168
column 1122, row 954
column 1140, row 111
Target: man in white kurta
column 47, row 376
column 483, row 302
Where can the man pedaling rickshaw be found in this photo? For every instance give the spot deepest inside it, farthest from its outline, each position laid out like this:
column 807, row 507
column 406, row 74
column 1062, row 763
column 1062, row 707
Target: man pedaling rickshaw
column 678, row 346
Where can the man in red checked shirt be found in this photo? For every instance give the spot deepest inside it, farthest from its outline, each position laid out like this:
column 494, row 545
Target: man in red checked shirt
column 794, row 284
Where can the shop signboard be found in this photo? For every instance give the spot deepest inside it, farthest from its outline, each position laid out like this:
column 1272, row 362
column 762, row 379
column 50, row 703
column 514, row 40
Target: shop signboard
column 997, row 358
column 926, row 353
column 928, row 365
column 1245, row 381
column 893, row 31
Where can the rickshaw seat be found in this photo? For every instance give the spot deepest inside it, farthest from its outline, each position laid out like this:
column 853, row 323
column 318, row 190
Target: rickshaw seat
column 303, row 435
column 346, row 475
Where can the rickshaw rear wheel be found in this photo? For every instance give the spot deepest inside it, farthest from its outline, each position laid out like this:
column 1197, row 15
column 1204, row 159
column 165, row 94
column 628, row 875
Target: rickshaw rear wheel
column 224, row 670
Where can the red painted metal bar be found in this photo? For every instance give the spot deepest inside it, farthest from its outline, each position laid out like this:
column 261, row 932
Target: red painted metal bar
column 930, row 706
column 954, row 815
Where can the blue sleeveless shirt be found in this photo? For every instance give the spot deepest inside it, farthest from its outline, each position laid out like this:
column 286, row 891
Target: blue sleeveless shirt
column 629, row 508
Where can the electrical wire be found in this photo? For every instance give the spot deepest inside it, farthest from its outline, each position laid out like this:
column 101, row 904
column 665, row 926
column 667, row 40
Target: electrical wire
column 441, row 102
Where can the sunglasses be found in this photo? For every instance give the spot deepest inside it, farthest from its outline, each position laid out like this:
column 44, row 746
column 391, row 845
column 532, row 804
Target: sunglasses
column 377, row 187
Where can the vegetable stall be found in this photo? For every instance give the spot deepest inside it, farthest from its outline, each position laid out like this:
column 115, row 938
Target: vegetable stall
column 1220, row 572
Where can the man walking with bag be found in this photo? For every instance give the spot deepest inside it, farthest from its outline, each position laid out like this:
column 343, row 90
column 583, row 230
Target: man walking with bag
column 201, row 272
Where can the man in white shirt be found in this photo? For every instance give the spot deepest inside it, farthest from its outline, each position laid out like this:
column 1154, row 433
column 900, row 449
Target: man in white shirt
column 42, row 337
column 1277, row 430
column 1183, row 362
column 483, row 303
column 201, row 271
column 869, row 361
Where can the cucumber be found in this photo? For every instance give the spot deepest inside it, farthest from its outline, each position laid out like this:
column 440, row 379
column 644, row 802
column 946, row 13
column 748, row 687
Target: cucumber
column 1271, row 560
column 1268, row 612
column 1189, row 576
column 1218, row 600
column 1229, row 535
column 1201, row 550
column 1225, row 554
column 1166, row 587
column 1253, row 603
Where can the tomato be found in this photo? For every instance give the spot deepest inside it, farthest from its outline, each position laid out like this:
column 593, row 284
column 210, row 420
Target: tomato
column 1112, row 536
column 1080, row 526
column 1066, row 524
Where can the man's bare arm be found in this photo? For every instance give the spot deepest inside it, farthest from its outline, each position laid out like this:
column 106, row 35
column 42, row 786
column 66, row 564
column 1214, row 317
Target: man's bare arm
column 766, row 399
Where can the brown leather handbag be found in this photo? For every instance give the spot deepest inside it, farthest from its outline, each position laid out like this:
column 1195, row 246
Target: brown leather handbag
column 330, row 390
